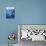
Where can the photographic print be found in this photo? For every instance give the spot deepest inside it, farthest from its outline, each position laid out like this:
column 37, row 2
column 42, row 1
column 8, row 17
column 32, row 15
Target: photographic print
column 10, row 12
